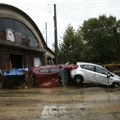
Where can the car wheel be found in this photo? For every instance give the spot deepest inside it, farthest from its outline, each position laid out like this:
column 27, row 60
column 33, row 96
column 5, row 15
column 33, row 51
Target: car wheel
column 115, row 85
column 79, row 80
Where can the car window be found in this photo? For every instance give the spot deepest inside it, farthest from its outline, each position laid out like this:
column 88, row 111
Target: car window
column 81, row 66
column 88, row 67
column 101, row 70
column 54, row 69
column 44, row 70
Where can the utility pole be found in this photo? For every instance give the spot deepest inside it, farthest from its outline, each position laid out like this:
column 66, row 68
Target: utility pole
column 55, row 35
column 46, row 31
column 118, row 45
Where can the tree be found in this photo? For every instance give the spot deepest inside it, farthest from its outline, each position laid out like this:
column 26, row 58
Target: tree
column 71, row 47
column 99, row 39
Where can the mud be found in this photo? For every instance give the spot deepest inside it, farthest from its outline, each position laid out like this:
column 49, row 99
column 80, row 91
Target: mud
column 60, row 103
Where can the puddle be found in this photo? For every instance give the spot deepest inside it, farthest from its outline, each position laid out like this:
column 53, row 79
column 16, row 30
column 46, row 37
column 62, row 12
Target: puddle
column 58, row 102
column 79, row 109
column 58, row 111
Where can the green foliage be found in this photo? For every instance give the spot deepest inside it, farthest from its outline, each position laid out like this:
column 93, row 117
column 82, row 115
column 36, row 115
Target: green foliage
column 71, row 47
column 94, row 42
column 100, row 37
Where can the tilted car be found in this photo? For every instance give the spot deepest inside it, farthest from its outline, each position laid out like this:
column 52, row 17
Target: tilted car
column 50, row 75
column 85, row 72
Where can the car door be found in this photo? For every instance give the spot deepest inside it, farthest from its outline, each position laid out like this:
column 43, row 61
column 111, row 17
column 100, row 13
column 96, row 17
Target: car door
column 88, row 72
column 47, row 74
column 101, row 75
column 43, row 74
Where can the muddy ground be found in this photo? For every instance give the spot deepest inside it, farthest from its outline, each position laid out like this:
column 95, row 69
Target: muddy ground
column 90, row 102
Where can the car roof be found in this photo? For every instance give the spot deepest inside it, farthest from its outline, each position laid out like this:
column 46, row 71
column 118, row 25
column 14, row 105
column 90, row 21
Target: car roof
column 48, row 66
column 87, row 63
column 53, row 66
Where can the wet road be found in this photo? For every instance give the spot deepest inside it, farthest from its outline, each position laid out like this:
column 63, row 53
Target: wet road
column 60, row 103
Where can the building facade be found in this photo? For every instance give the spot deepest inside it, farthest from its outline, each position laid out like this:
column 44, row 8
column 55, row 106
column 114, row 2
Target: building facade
column 21, row 42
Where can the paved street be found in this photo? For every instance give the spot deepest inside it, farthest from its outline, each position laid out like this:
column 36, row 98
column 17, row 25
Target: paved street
column 60, row 103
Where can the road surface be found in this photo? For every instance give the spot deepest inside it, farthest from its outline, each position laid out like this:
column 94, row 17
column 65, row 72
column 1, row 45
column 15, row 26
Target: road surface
column 90, row 102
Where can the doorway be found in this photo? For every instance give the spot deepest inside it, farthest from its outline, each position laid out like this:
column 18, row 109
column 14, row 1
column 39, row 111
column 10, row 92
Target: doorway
column 16, row 60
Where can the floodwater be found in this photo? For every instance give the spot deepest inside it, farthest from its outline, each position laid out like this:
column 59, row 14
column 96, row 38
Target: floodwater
column 60, row 103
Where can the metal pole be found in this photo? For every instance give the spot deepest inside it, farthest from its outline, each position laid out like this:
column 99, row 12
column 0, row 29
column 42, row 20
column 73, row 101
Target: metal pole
column 55, row 33
column 46, row 31
column 116, row 38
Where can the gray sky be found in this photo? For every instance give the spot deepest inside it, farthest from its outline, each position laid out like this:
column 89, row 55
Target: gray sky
column 68, row 11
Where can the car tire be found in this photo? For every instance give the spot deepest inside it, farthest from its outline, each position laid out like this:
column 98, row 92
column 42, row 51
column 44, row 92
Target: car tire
column 115, row 85
column 78, row 80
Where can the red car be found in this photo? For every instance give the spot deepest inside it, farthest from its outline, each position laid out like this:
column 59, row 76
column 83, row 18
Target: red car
column 50, row 75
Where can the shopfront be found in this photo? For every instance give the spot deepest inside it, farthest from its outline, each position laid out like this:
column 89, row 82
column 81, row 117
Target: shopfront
column 21, row 42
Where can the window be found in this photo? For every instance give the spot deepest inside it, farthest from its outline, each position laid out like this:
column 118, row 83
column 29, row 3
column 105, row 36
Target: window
column 17, row 32
column 44, row 70
column 54, row 69
column 37, row 61
column 88, row 67
column 49, row 70
column 101, row 70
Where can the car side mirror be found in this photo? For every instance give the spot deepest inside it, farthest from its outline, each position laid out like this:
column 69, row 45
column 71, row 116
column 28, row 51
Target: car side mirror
column 108, row 76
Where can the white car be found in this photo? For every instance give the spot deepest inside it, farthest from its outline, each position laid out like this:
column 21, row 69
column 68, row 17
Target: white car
column 92, row 73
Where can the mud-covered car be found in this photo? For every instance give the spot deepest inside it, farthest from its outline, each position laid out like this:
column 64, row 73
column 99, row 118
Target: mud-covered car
column 50, row 75
column 92, row 73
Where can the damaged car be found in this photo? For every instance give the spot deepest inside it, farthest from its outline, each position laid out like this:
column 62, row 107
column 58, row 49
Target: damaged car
column 85, row 72
column 50, row 75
